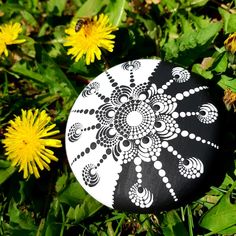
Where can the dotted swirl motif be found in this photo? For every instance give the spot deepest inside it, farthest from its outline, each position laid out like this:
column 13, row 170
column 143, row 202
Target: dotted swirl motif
column 136, row 124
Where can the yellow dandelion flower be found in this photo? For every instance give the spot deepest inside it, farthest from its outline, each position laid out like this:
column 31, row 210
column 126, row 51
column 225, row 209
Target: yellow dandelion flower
column 3, row 48
column 230, row 43
column 8, row 35
column 26, row 141
column 94, row 34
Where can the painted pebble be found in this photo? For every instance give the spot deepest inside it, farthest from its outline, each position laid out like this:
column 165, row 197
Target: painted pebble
column 143, row 136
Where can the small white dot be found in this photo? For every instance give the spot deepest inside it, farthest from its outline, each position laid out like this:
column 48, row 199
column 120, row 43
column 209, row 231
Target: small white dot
column 178, row 130
column 184, row 133
column 198, row 138
column 78, row 131
column 172, row 129
column 168, row 185
column 182, row 114
column 137, row 161
column 162, row 173
column 160, row 91
column 179, row 96
column 170, row 149
column 92, row 171
column 191, row 91
column 139, row 175
column 157, row 154
column 111, row 113
column 142, row 96
column 203, row 141
column 197, row 89
column 165, row 144
column 186, row 93
column 165, row 180
column 93, row 90
column 174, row 152
column 157, row 165
column 123, row 99
column 192, row 136
column 164, row 87
column 139, row 181
column 175, row 115
column 154, row 158
column 112, row 132
column 188, row 113
column 138, row 168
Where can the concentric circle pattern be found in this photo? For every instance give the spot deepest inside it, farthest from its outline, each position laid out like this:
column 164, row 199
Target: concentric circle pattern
column 136, row 136
column 134, row 119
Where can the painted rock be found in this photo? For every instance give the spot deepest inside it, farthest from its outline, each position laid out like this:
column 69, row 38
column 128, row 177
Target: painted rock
column 143, row 136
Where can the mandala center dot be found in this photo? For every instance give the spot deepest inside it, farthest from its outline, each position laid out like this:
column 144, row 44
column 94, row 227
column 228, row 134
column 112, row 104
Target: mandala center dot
column 134, row 118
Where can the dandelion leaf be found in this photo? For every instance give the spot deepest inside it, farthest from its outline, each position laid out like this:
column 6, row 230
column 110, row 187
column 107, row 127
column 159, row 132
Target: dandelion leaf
column 220, row 217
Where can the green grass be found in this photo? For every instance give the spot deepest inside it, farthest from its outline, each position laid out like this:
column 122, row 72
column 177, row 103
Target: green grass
column 39, row 74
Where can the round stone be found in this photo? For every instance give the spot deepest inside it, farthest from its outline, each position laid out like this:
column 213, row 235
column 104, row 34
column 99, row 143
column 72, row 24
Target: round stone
column 144, row 137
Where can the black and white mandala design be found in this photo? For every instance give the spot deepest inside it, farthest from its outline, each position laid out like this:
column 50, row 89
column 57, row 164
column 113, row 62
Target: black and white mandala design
column 140, row 134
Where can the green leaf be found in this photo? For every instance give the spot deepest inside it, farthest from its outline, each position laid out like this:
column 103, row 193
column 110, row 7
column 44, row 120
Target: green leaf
column 56, row 7
column 227, row 82
column 146, row 224
column 172, row 225
column 61, row 183
column 198, row 3
column 116, row 11
column 88, row 208
column 28, row 47
column 6, row 173
column 198, row 70
column 21, row 217
column 56, row 78
column 191, row 45
column 23, row 69
column 71, row 213
column 29, row 18
column 74, row 194
column 221, row 63
column 229, row 21
column 49, row 226
column 4, row 164
column 169, row 5
column 221, row 216
column 11, row 7
column 90, row 8
column 229, row 231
